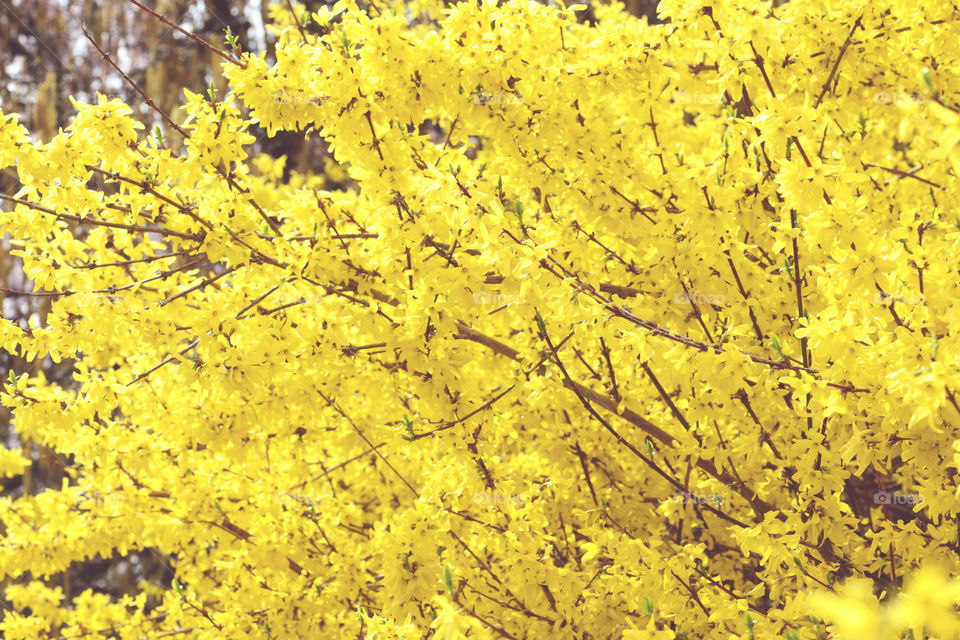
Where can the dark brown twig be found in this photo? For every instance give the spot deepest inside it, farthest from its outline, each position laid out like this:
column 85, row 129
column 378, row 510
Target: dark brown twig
column 836, row 63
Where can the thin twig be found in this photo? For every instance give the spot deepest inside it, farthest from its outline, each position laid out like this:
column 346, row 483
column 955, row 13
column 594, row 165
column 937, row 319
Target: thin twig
column 199, row 285
column 101, row 223
column 190, row 35
column 836, row 64
column 606, row 425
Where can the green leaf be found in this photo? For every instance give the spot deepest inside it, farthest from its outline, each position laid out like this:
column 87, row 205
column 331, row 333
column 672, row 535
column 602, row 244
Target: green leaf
column 776, row 346
column 540, row 324
column 448, row 580
column 648, row 605
column 787, row 266
column 410, row 435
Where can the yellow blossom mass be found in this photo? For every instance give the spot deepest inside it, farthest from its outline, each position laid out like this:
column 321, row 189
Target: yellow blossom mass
column 658, row 338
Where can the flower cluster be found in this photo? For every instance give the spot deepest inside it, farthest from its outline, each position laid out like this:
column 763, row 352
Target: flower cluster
column 486, row 314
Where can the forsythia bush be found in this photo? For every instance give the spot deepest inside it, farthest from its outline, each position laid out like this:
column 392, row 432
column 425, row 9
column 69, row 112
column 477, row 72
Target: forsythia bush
column 659, row 339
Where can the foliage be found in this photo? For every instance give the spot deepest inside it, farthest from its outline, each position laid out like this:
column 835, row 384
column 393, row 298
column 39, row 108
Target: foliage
column 659, row 340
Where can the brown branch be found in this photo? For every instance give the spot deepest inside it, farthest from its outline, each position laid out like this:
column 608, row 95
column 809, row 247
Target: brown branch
column 101, row 223
column 836, row 64
column 586, row 471
column 743, row 292
column 636, row 206
column 611, row 405
column 903, row 174
column 35, row 294
column 759, row 62
column 297, row 20
column 199, row 285
column 621, row 312
column 450, row 425
column 337, row 408
column 190, row 35
column 162, row 363
column 613, row 377
column 373, row 132
column 336, row 467
column 667, row 399
column 125, row 263
column 606, row 425
column 127, row 79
